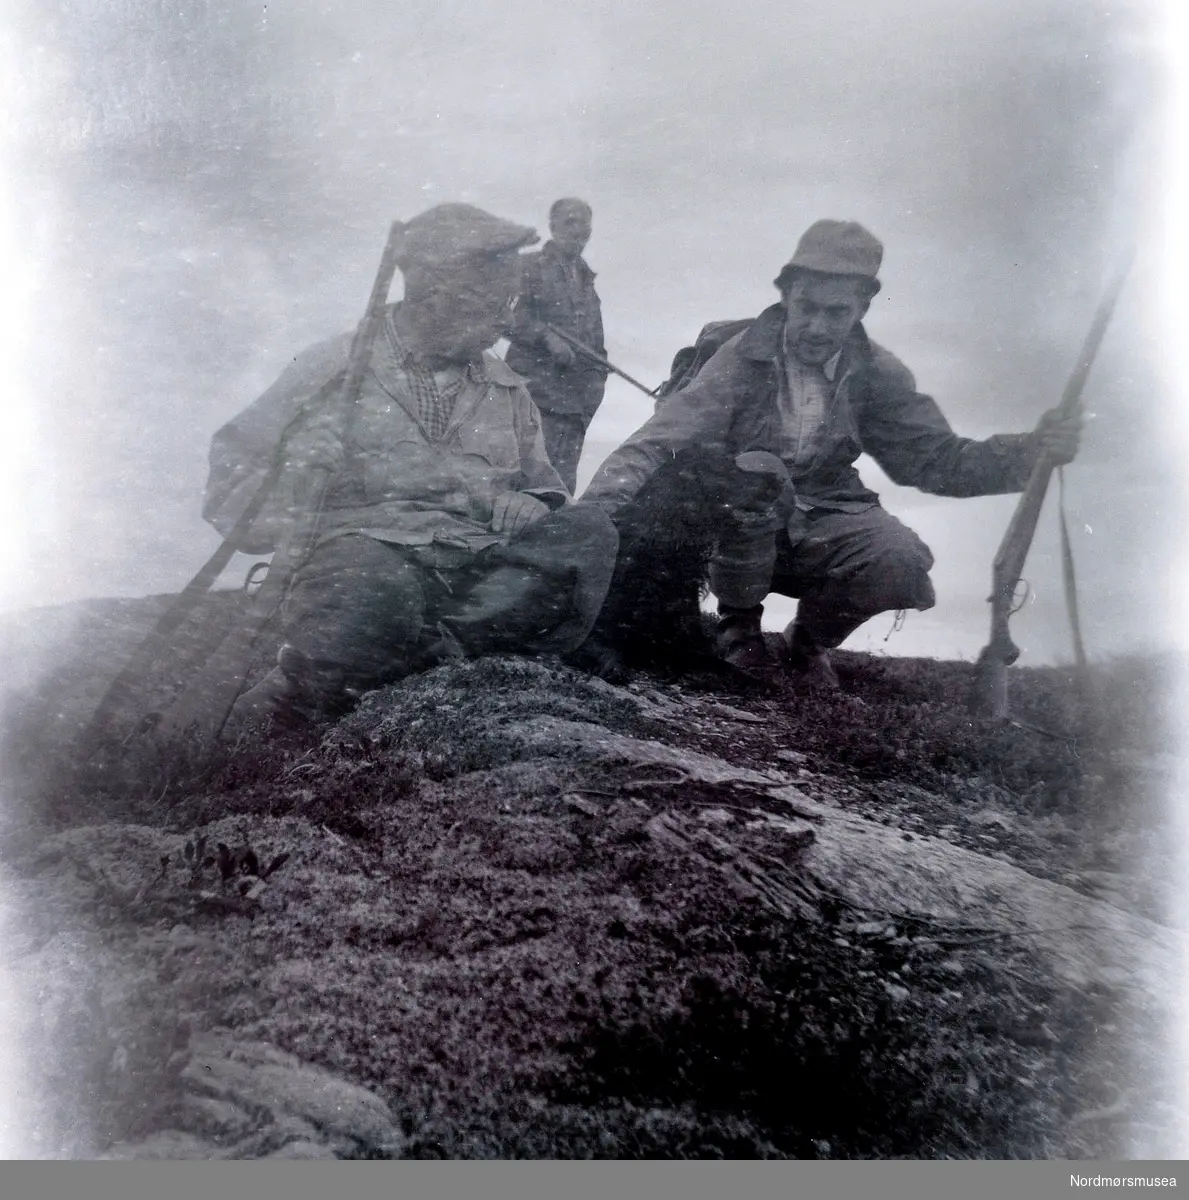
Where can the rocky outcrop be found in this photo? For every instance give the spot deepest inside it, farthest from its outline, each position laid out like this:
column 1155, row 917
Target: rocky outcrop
column 508, row 909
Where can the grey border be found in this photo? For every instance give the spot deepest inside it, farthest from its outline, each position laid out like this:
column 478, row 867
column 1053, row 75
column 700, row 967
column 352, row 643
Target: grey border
column 585, row 1181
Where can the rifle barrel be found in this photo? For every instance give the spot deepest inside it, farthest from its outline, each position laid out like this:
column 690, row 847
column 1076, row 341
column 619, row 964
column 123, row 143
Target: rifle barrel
column 1071, row 398
column 990, row 693
column 595, row 356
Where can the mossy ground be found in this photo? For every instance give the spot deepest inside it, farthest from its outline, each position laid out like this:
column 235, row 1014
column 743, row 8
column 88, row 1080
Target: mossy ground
column 491, row 941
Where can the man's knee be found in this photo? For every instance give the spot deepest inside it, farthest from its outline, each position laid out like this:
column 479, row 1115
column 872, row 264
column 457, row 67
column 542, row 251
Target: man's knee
column 893, row 572
column 871, row 564
column 358, row 604
column 573, row 550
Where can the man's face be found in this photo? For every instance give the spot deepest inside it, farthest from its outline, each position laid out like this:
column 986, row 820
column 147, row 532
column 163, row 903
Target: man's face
column 820, row 312
column 570, row 228
column 467, row 307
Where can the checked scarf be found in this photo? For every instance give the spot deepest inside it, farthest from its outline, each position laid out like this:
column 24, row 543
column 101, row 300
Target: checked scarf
column 435, row 401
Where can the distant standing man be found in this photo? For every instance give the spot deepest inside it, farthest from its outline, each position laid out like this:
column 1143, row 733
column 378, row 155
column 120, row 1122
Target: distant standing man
column 558, row 289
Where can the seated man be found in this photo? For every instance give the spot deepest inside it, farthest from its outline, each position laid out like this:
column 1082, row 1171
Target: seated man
column 803, row 382
column 446, row 531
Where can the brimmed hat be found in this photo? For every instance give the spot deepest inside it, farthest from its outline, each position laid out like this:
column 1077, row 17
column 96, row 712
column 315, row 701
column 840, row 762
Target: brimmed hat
column 449, row 232
column 836, row 248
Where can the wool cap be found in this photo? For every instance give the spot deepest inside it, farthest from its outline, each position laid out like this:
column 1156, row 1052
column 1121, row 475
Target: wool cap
column 836, row 248
column 450, row 232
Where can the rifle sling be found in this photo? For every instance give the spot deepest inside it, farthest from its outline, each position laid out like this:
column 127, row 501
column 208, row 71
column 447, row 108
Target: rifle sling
column 1069, row 578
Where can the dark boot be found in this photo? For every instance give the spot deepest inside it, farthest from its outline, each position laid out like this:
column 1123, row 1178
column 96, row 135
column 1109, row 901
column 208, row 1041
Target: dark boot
column 297, row 693
column 507, row 611
column 808, row 661
column 739, row 641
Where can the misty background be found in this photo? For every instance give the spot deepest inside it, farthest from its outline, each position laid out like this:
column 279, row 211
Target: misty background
column 197, row 192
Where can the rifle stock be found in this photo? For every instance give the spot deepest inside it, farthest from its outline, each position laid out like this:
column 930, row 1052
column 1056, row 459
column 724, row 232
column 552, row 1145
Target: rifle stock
column 206, row 701
column 990, row 690
column 1008, row 568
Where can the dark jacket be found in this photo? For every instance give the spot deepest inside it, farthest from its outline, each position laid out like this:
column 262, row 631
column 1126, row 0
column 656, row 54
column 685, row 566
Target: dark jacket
column 732, row 405
column 550, row 296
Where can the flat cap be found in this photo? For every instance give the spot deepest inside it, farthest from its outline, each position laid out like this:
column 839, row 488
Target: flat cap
column 836, row 248
column 448, row 232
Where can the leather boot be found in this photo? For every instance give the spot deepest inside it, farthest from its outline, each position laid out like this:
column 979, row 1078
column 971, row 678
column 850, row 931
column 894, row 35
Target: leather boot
column 809, row 662
column 295, row 694
column 739, row 641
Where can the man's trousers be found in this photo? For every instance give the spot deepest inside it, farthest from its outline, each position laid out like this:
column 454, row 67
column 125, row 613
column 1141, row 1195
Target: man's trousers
column 843, row 567
column 368, row 611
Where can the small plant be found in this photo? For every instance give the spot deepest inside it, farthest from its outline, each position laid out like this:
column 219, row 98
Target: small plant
column 227, row 862
column 222, row 881
column 240, row 872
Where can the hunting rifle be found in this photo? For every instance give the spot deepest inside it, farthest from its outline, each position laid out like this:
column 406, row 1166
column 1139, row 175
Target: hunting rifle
column 990, row 690
column 596, row 357
column 207, row 700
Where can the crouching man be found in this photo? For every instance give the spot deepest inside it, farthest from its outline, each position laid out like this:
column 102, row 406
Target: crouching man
column 446, row 532
column 805, row 383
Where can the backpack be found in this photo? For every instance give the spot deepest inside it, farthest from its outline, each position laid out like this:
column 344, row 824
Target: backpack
column 689, row 360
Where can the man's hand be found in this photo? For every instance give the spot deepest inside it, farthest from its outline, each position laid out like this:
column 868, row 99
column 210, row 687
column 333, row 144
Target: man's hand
column 513, row 511
column 562, row 354
column 1059, row 436
column 317, row 447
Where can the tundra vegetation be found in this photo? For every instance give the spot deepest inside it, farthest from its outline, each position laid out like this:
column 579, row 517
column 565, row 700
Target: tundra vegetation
column 508, row 909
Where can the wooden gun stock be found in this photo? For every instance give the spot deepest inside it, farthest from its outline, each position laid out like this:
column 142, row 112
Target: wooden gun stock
column 990, row 689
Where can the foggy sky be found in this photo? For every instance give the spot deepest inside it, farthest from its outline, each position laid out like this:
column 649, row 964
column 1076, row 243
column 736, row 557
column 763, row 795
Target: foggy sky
column 202, row 191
